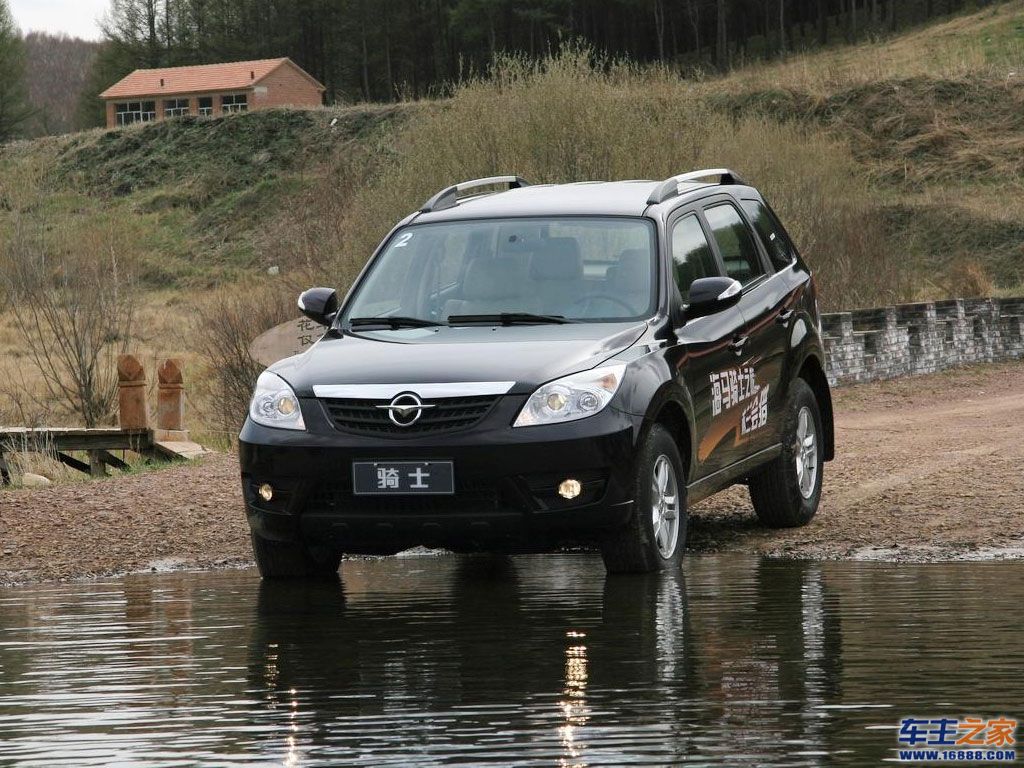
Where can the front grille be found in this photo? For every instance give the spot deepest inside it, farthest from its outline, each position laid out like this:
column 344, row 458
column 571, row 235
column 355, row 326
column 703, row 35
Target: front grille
column 469, row 498
column 447, row 415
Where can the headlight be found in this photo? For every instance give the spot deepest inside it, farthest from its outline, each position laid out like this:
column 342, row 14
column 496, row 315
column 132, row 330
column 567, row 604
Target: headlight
column 573, row 397
column 274, row 404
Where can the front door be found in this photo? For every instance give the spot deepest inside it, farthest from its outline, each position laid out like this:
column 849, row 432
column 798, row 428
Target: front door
column 704, row 356
column 752, row 376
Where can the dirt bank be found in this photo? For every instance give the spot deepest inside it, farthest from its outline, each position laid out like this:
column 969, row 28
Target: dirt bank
column 929, row 468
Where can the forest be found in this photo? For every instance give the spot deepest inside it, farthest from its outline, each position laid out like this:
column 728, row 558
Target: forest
column 394, row 50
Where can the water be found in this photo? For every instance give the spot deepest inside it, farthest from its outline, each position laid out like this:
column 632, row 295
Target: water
column 528, row 661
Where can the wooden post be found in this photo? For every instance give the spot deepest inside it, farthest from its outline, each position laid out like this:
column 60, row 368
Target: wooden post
column 131, row 395
column 97, row 467
column 170, row 405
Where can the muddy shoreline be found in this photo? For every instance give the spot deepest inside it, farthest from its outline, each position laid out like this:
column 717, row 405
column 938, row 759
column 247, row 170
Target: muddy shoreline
column 928, row 469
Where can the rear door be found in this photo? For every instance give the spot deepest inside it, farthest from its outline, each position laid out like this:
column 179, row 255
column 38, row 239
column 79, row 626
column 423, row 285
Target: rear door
column 770, row 309
column 757, row 354
column 703, row 351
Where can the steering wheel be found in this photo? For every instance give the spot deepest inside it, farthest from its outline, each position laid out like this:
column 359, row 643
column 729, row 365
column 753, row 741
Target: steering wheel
column 607, row 297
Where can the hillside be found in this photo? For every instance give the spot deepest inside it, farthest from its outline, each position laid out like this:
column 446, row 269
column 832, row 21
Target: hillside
column 898, row 164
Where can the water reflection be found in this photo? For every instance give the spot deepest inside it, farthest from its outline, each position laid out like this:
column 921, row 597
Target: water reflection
column 506, row 661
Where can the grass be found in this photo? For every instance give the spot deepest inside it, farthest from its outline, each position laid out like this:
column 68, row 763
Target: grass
column 898, row 164
column 47, row 465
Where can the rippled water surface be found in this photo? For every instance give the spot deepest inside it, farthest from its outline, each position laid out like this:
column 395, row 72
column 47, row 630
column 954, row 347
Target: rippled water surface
column 522, row 661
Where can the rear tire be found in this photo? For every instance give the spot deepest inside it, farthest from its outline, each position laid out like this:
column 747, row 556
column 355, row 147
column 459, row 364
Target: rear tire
column 787, row 491
column 287, row 560
column 655, row 536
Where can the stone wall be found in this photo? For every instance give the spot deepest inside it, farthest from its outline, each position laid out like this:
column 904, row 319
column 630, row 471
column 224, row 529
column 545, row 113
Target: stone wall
column 870, row 344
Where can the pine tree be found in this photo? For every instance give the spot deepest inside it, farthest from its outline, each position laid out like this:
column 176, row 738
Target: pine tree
column 14, row 106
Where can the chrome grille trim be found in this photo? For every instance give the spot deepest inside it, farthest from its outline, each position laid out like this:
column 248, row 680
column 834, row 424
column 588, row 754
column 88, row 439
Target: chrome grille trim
column 389, row 391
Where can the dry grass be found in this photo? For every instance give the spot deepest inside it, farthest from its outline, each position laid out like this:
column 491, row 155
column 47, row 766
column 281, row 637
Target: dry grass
column 565, row 119
column 986, row 43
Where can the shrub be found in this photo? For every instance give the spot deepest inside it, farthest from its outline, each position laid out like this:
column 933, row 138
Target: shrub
column 224, row 327
column 574, row 117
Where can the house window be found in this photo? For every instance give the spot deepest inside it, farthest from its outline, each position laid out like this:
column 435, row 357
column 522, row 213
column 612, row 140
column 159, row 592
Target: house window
column 206, row 106
column 176, row 107
column 129, row 112
column 238, row 102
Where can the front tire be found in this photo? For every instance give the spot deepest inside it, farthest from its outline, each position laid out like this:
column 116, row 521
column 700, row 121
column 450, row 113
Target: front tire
column 787, row 491
column 655, row 536
column 287, row 560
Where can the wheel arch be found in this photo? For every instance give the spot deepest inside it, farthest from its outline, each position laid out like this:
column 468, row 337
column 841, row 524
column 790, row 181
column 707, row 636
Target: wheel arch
column 812, row 371
column 673, row 414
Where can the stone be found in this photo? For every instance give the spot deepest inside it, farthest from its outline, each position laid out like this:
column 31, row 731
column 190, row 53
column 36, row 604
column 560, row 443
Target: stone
column 132, row 411
column 285, row 340
column 170, row 397
column 31, row 480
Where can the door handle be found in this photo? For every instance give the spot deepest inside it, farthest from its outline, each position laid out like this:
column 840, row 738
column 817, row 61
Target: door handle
column 785, row 317
column 738, row 343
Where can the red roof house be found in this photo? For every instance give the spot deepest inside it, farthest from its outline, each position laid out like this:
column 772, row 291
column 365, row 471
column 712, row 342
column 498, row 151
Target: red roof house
column 210, row 89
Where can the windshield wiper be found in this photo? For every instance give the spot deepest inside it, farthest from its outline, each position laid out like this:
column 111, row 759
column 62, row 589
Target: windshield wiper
column 394, row 322
column 510, row 318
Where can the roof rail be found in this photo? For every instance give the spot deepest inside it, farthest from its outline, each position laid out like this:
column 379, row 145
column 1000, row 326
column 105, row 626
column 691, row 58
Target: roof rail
column 670, row 187
column 449, row 196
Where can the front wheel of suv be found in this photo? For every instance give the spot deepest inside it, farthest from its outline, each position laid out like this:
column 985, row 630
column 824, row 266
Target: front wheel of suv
column 285, row 560
column 787, row 491
column 655, row 536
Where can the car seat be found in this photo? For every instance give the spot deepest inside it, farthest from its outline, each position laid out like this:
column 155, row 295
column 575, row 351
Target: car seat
column 630, row 282
column 556, row 269
column 494, row 285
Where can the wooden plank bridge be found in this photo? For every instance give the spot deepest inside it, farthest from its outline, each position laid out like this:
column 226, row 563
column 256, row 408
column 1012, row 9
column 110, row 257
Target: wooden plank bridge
column 169, row 441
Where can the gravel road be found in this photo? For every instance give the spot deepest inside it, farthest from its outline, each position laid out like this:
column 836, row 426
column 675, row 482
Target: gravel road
column 928, row 468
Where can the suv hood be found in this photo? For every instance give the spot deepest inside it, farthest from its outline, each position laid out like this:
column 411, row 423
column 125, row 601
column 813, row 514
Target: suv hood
column 529, row 355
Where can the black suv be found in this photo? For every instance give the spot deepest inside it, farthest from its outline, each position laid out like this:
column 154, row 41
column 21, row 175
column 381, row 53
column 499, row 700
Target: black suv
column 519, row 367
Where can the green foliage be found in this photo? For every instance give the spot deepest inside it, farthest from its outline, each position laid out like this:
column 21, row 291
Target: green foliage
column 14, row 106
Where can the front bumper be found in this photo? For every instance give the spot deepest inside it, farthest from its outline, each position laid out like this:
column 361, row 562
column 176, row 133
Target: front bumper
column 505, row 484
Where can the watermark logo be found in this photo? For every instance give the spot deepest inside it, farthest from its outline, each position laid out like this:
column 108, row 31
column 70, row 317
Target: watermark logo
column 957, row 740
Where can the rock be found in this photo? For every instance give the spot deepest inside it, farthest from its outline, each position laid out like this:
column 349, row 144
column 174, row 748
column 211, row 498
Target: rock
column 30, row 480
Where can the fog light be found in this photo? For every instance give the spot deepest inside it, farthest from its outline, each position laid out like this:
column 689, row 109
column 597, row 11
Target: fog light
column 266, row 492
column 569, row 489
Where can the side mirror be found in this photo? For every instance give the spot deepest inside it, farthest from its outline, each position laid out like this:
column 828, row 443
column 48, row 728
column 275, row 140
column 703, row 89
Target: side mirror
column 709, row 295
column 319, row 304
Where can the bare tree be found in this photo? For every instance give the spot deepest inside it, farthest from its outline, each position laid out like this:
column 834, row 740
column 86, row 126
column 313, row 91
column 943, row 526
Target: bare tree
column 74, row 311
column 721, row 38
column 659, row 27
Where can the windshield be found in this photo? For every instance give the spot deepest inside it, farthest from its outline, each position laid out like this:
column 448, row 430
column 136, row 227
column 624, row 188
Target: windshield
column 580, row 269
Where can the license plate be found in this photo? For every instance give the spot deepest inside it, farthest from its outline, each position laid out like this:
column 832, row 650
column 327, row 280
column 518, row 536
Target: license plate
column 410, row 478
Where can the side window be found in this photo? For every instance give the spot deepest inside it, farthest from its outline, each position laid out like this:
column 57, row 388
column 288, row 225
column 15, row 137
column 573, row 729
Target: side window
column 692, row 257
column 776, row 241
column 739, row 253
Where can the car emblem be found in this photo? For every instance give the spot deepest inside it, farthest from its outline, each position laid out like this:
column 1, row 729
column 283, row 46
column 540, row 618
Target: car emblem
column 405, row 409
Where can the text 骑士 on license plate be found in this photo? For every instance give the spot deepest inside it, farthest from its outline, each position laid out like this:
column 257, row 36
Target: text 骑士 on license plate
column 377, row 478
